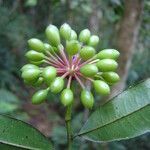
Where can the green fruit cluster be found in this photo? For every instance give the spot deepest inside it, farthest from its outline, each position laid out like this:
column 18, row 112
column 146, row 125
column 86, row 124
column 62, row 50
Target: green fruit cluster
column 69, row 56
column 102, row 72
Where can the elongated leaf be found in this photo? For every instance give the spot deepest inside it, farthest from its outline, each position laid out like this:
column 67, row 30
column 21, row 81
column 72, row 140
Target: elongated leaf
column 15, row 134
column 8, row 101
column 125, row 116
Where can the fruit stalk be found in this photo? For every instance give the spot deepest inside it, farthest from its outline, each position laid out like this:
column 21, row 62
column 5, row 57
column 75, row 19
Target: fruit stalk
column 64, row 57
column 68, row 126
column 79, row 81
column 68, row 119
column 52, row 64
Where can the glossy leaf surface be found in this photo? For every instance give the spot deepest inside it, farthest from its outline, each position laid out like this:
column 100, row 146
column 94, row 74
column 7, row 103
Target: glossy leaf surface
column 125, row 116
column 15, row 134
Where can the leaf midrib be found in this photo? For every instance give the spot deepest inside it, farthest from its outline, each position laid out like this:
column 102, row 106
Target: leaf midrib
column 17, row 145
column 80, row 134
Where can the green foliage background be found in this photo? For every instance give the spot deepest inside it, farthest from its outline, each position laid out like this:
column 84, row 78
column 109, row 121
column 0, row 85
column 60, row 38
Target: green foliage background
column 23, row 19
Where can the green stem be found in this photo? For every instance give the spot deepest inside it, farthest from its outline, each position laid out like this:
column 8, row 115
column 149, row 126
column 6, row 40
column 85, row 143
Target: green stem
column 68, row 126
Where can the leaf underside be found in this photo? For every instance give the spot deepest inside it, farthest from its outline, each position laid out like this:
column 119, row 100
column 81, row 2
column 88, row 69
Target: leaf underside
column 125, row 116
column 15, row 134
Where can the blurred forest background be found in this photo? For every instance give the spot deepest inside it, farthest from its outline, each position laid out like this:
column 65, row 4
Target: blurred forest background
column 120, row 24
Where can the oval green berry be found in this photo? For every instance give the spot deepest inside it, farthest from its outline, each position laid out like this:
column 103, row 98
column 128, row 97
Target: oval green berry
column 49, row 74
column 29, row 66
column 106, row 65
column 108, row 53
column 48, row 47
column 72, row 47
column 57, row 85
column 89, row 70
column 87, row 99
column 67, row 97
column 87, row 52
column 55, row 49
column 31, row 74
column 36, row 45
column 37, row 62
column 84, row 35
column 38, row 82
column 73, row 35
column 60, row 46
column 34, row 56
column 53, row 36
column 101, row 87
column 93, row 41
column 30, row 82
column 65, row 31
column 35, row 83
column 111, row 77
column 39, row 96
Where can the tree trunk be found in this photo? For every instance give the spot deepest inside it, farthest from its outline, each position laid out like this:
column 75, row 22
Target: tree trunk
column 94, row 20
column 126, row 40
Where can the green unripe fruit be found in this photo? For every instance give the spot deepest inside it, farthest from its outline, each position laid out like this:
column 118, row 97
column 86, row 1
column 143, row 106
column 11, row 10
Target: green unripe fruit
column 34, row 56
column 66, row 97
column 55, row 49
column 60, row 46
column 108, row 53
column 93, row 41
column 111, row 77
column 48, row 47
column 73, row 35
column 106, row 65
column 87, row 99
column 29, row 66
column 53, row 36
column 72, row 47
column 49, row 74
column 65, row 31
column 35, row 83
column 84, row 35
column 37, row 62
column 30, row 82
column 101, row 87
column 39, row 96
column 31, row 74
column 36, row 45
column 89, row 70
column 87, row 52
column 57, row 85
column 38, row 82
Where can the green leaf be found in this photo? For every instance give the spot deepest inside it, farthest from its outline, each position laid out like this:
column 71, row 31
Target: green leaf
column 125, row 116
column 8, row 101
column 15, row 134
column 31, row 3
